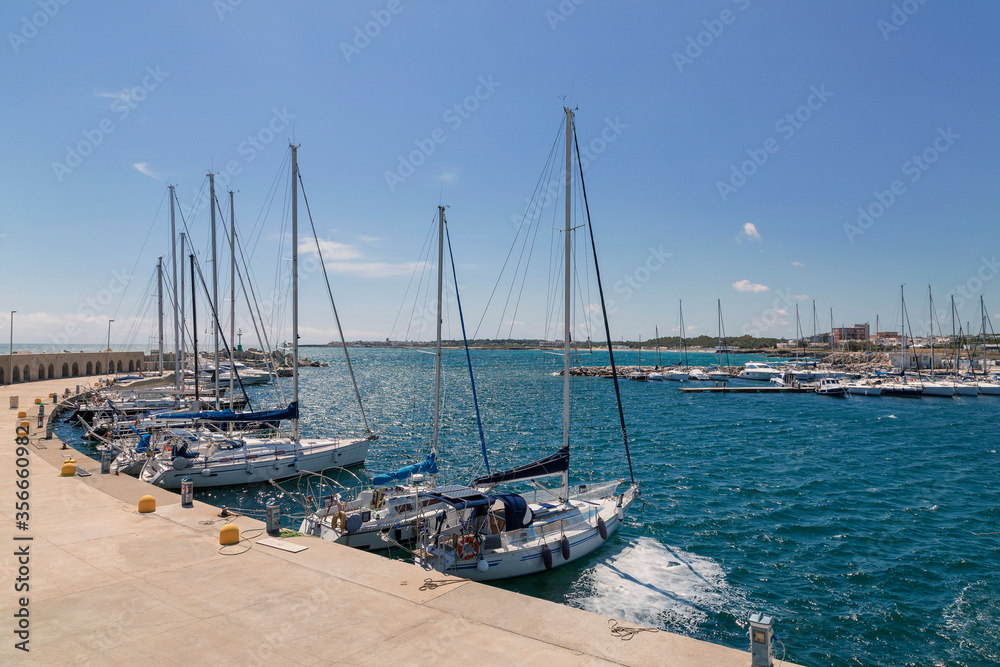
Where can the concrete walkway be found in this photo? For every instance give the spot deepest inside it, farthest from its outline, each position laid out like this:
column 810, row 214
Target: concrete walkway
column 111, row 586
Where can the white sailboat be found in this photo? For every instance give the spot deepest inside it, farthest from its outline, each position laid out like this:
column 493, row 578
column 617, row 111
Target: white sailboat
column 498, row 536
column 719, row 373
column 214, row 463
column 390, row 508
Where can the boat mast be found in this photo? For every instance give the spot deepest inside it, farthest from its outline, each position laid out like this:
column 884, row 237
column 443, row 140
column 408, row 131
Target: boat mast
column 215, row 288
column 183, row 356
column 567, row 290
column 159, row 298
column 177, row 322
column 437, row 348
column 683, row 355
column 930, row 299
column 232, row 296
column 295, row 289
column 194, row 336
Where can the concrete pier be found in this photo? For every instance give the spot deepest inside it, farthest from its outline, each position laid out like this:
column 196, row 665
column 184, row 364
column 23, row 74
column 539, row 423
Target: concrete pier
column 111, row 586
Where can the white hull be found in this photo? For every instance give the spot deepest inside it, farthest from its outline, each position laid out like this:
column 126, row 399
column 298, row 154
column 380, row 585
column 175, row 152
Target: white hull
column 521, row 553
column 236, row 469
column 966, row 389
column 989, row 389
column 864, row 390
column 675, row 376
column 938, row 389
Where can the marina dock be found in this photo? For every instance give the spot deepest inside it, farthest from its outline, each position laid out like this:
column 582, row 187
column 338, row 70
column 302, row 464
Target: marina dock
column 111, row 586
column 765, row 389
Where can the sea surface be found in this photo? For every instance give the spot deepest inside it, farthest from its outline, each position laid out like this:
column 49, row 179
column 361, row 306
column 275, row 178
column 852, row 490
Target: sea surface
column 868, row 527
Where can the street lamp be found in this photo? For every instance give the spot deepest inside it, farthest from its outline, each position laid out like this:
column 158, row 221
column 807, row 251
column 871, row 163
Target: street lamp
column 10, row 356
column 107, row 361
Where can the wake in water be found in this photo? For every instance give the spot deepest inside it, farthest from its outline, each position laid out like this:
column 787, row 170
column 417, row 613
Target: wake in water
column 655, row 585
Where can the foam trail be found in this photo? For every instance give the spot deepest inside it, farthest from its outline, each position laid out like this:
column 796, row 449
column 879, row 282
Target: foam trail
column 656, row 585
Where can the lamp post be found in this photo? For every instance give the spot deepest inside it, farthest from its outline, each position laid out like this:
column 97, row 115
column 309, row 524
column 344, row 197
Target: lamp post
column 107, row 361
column 10, row 356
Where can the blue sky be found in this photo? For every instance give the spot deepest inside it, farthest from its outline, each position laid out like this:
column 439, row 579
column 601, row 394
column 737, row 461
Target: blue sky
column 747, row 136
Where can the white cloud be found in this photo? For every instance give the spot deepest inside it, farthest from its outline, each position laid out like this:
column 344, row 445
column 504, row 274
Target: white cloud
column 747, row 286
column 376, row 269
column 798, row 264
column 122, row 95
column 371, row 239
column 143, row 168
column 749, row 232
column 331, row 250
column 798, row 297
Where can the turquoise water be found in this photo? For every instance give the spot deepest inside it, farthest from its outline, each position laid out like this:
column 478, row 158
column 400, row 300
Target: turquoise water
column 867, row 526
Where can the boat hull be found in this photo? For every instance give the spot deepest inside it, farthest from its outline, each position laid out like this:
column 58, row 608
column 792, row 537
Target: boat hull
column 315, row 456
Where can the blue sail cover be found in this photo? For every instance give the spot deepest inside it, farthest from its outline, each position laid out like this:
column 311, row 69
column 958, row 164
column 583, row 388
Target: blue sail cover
column 551, row 465
column 291, row 412
column 427, row 465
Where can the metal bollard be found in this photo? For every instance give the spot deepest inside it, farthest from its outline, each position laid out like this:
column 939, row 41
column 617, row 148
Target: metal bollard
column 48, row 431
column 273, row 519
column 106, row 463
column 187, row 492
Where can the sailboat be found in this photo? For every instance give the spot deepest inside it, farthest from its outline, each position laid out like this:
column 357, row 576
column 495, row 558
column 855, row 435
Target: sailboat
column 986, row 387
column 637, row 375
column 226, row 462
column 719, row 373
column 390, row 509
column 503, row 535
column 656, row 374
column 678, row 374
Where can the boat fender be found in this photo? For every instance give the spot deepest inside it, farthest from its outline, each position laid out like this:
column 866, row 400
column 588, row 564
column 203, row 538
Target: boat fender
column 249, row 467
column 564, row 547
column 206, row 472
column 547, row 557
column 602, row 528
column 353, row 523
column 482, row 565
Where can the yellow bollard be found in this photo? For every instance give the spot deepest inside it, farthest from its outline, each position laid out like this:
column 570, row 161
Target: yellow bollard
column 230, row 534
column 26, row 425
column 147, row 504
column 22, row 414
column 38, row 401
column 68, row 468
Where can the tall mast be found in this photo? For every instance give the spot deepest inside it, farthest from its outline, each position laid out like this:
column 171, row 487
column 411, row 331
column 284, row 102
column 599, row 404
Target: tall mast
column 295, row 288
column 567, row 276
column 232, row 295
column 159, row 298
column 930, row 299
column 194, row 337
column 183, row 355
column 437, row 350
column 568, row 290
column 177, row 321
column 215, row 288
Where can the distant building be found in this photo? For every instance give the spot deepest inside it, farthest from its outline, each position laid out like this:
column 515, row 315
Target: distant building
column 857, row 332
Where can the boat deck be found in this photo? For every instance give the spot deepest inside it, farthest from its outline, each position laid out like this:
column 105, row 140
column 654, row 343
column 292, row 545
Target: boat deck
column 115, row 587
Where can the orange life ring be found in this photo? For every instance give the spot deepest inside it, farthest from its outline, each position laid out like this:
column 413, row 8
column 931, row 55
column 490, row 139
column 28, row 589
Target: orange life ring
column 468, row 547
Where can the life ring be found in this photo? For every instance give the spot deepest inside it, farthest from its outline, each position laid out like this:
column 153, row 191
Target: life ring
column 468, row 547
